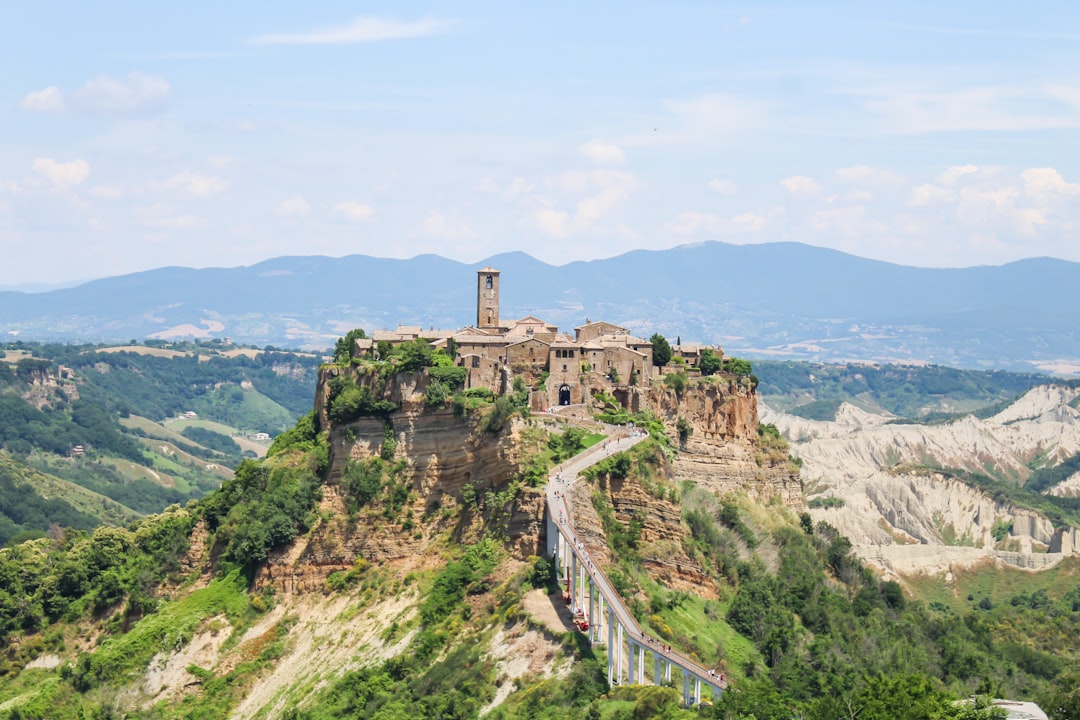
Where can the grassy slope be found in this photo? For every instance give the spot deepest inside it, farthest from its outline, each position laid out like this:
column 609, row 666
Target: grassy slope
column 108, row 511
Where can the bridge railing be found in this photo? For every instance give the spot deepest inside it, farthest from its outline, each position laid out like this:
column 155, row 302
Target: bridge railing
column 603, row 583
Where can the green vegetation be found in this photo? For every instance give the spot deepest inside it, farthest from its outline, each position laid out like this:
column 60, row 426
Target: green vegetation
column 661, row 350
column 88, row 421
column 24, row 514
column 677, row 381
column 213, row 440
column 345, row 347
column 1059, row 510
column 833, row 501
column 924, row 393
column 710, row 362
column 264, row 506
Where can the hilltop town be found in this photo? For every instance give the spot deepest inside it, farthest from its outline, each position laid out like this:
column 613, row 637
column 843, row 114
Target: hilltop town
column 564, row 369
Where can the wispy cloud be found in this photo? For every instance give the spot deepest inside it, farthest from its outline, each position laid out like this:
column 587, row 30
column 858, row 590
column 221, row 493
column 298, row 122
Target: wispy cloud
column 49, row 99
column 354, row 211
column 801, row 185
column 135, row 94
column 296, row 206
column 196, row 184
column 980, row 108
column 602, row 153
column 360, row 30
column 62, row 175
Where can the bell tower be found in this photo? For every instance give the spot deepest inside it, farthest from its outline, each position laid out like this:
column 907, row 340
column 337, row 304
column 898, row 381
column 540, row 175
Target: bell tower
column 487, row 298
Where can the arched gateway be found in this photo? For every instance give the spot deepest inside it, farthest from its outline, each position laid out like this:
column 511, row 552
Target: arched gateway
column 564, row 394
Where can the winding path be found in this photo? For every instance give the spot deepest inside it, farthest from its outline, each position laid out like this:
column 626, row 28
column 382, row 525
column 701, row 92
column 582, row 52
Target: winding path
column 587, row 583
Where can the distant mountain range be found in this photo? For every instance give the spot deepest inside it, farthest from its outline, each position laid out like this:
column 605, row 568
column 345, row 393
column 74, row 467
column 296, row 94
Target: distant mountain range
column 779, row 300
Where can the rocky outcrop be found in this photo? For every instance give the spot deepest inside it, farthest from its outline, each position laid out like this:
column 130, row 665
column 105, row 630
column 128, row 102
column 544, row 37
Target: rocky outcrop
column 445, row 461
column 722, row 452
column 661, row 540
column 896, row 509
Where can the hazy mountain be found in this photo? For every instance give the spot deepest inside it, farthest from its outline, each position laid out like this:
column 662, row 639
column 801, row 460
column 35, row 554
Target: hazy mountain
column 778, row 300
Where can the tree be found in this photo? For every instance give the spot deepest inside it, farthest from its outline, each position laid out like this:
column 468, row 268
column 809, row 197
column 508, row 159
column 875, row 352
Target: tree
column 345, row 347
column 709, row 364
column 661, row 350
column 738, row 366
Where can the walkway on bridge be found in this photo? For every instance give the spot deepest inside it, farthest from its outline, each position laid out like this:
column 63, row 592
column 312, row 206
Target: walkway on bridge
column 591, row 591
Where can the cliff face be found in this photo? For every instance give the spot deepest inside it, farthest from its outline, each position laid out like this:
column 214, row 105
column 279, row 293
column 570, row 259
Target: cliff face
column 902, row 515
column 446, row 462
column 722, row 452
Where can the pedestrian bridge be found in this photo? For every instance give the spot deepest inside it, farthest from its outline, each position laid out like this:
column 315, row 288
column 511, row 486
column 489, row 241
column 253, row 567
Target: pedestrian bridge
column 594, row 600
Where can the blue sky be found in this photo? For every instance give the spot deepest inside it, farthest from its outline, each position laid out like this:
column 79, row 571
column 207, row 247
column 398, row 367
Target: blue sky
column 136, row 135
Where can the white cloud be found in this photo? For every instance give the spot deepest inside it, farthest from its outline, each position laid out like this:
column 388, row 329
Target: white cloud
column 749, row 222
column 801, row 185
column 928, row 194
column 1047, row 181
column 354, row 211
column 850, row 222
column 980, row 108
column 162, row 216
column 602, row 153
column 864, row 174
column 106, row 192
column 691, row 223
column 49, row 99
column 296, row 206
column 136, row 94
column 953, row 174
column 196, row 184
column 554, row 222
column 62, row 175
column 710, row 117
column 595, row 194
column 360, row 30
column 723, row 187
column 447, row 227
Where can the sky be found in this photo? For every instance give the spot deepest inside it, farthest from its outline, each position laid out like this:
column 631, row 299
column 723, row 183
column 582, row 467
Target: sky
column 140, row 135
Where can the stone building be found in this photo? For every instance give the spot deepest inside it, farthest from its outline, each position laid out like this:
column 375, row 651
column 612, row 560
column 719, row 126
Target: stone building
column 600, row 356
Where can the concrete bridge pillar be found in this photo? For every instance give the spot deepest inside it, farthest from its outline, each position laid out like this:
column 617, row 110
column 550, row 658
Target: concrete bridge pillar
column 610, row 646
column 697, row 691
column 656, row 667
column 619, row 648
column 592, row 610
column 551, row 535
column 686, row 688
column 572, row 580
column 631, row 656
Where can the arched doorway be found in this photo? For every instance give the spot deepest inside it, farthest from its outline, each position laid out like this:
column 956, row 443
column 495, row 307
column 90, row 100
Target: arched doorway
column 564, row 394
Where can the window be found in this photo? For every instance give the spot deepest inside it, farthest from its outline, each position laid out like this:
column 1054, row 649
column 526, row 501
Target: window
column 487, row 282
column 564, row 368
column 476, row 361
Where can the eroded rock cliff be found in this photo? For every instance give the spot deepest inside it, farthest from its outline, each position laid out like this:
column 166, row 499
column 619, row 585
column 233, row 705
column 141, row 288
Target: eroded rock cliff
column 902, row 514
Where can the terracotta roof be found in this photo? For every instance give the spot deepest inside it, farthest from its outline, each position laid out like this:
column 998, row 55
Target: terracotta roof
column 598, row 322
column 525, row 340
column 481, row 340
column 488, row 269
